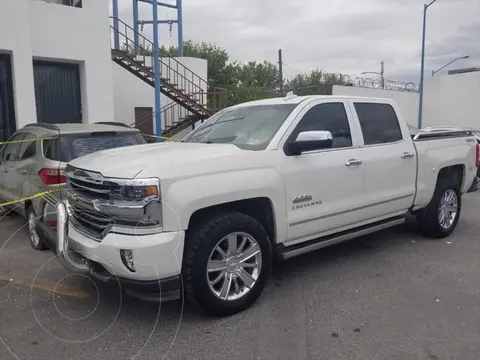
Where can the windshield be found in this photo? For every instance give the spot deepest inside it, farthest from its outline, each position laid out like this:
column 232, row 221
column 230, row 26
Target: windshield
column 248, row 127
column 76, row 145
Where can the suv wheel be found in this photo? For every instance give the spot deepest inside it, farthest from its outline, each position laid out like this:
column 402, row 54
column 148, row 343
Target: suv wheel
column 227, row 263
column 35, row 240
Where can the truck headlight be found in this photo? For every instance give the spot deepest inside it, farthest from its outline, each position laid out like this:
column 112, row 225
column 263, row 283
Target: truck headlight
column 137, row 193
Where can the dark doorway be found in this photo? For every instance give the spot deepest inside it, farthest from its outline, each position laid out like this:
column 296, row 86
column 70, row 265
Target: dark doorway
column 57, row 92
column 144, row 121
column 7, row 108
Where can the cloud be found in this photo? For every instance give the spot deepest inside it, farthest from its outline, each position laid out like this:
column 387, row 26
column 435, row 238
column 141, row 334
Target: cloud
column 349, row 36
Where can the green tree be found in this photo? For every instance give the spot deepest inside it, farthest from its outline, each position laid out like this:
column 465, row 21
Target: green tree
column 216, row 56
column 316, row 82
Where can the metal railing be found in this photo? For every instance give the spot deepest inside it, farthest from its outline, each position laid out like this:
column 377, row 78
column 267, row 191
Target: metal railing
column 171, row 70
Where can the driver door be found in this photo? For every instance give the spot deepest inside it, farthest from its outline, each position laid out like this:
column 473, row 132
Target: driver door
column 324, row 188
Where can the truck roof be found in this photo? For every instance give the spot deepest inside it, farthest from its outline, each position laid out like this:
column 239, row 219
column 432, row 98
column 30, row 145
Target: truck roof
column 295, row 99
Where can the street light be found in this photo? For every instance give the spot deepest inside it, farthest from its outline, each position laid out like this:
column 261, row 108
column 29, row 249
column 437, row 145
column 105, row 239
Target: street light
column 422, row 67
column 381, row 73
column 451, row 62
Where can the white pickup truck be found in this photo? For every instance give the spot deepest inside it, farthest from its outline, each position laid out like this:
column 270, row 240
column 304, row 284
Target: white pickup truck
column 278, row 177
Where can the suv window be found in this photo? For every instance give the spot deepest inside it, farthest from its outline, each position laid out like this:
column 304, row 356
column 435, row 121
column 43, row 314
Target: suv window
column 28, row 148
column 379, row 123
column 10, row 151
column 329, row 117
column 69, row 147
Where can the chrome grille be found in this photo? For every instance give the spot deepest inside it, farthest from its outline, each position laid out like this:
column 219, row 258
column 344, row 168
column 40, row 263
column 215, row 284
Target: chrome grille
column 93, row 223
column 83, row 189
column 96, row 207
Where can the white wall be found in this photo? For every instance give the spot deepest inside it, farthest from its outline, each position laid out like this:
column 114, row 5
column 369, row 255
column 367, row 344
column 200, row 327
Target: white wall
column 15, row 39
column 452, row 100
column 36, row 29
column 80, row 35
column 131, row 92
column 407, row 101
column 449, row 100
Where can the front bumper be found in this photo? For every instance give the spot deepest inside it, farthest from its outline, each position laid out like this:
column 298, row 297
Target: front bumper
column 157, row 258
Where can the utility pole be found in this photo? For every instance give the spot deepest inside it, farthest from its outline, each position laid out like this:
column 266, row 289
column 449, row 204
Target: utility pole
column 280, row 71
column 382, row 75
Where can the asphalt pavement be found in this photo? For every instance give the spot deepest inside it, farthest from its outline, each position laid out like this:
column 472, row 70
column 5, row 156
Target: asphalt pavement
column 388, row 296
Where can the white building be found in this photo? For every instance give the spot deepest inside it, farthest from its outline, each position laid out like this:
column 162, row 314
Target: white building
column 449, row 100
column 56, row 66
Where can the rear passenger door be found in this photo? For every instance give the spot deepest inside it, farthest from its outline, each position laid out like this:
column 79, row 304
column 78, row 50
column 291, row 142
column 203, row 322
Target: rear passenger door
column 8, row 156
column 389, row 156
column 23, row 167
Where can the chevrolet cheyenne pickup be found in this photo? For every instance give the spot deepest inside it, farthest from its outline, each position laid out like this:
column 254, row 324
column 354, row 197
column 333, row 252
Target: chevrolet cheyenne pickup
column 205, row 217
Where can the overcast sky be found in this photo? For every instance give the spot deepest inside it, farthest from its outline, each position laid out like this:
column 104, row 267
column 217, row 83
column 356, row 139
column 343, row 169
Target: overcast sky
column 349, row 36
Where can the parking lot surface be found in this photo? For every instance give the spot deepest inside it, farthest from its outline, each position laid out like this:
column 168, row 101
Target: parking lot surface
column 392, row 295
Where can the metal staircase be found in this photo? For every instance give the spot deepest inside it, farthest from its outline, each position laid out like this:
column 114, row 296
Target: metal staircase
column 187, row 91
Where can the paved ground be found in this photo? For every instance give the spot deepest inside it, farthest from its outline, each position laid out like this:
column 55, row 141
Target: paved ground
column 392, row 296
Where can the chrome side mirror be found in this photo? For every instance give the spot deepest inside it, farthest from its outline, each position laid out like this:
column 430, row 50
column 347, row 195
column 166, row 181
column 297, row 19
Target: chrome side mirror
column 308, row 141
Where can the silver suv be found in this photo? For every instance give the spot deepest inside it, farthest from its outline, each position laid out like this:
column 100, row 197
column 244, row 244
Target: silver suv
column 35, row 157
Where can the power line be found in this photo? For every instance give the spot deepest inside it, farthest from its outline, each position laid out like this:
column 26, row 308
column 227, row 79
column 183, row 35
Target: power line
column 294, row 68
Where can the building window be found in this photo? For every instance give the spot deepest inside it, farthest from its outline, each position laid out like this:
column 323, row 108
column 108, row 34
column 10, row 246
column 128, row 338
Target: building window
column 74, row 3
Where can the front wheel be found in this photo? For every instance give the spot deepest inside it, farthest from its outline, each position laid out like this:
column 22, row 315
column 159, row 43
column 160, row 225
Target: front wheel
column 441, row 216
column 227, row 263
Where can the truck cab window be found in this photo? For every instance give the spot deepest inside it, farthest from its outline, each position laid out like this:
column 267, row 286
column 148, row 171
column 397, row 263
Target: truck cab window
column 379, row 123
column 329, row 117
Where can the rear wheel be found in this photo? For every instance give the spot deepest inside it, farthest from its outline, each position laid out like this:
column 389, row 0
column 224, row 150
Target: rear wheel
column 35, row 239
column 227, row 262
column 441, row 216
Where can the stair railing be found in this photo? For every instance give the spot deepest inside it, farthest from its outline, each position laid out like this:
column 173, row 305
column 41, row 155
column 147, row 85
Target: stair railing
column 171, row 70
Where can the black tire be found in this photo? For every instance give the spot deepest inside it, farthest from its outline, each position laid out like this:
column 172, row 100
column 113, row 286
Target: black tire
column 200, row 242
column 428, row 221
column 41, row 243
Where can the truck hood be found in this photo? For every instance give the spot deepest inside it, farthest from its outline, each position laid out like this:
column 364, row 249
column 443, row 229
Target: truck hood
column 139, row 160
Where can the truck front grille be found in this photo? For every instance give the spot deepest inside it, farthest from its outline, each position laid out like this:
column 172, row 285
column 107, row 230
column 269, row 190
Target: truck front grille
column 83, row 188
column 93, row 223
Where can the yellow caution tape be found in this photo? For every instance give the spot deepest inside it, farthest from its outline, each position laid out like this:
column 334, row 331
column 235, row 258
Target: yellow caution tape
column 22, row 141
column 40, row 194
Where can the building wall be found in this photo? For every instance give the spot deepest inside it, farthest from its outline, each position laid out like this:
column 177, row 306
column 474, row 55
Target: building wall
column 449, row 100
column 131, row 92
column 15, row 40
column 80, row 35
column 452, row 100
column 36, row 29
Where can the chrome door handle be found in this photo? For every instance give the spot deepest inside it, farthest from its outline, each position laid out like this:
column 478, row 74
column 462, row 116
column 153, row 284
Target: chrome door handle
column 353, row 162
column 407, row 155
column 24, row 172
